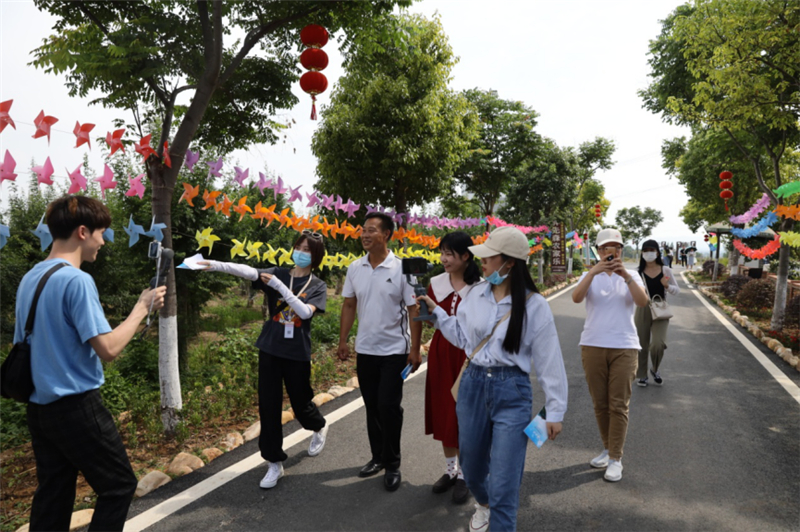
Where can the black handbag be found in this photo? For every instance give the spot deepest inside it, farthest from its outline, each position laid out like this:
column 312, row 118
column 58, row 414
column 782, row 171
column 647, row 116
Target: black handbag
column 16, row 378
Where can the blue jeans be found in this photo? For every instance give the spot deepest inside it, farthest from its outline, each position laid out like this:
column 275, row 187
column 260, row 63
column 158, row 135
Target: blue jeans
column 494, row 407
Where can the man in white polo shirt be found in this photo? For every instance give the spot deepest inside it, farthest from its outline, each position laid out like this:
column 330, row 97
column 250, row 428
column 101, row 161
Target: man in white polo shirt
column 376, row 288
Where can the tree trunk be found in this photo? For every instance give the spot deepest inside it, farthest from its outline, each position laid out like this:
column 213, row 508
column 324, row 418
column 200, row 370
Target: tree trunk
column 168, row 364
column 781, row 284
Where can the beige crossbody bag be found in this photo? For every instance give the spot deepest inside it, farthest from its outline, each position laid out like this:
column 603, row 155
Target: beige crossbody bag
column 454, row 389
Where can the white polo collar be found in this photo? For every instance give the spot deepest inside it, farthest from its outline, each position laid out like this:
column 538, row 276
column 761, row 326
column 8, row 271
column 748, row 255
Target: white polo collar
column 388, row 262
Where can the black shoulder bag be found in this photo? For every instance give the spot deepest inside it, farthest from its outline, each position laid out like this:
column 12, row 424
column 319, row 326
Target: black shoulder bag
column 16, row 378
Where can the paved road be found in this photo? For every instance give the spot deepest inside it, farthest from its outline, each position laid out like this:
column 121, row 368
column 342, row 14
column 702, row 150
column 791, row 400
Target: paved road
column 715, row 448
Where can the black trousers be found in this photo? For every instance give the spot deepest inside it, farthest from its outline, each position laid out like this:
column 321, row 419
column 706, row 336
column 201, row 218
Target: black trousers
column 77, row 433
column 382, row 390
column 273, row 373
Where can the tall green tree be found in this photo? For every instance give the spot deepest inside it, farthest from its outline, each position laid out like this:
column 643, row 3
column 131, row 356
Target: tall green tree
column 507, row 140
column 157, row 55
column 394, row 132
column 734, row 65
column 635, row 224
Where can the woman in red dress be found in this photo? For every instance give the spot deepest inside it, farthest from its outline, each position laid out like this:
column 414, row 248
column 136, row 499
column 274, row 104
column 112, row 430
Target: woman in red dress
column 461, row 273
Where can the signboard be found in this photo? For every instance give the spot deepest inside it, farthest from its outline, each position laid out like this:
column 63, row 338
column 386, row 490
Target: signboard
column 559, row 249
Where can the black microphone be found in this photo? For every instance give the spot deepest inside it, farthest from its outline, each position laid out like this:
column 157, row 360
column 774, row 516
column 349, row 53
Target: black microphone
column 161, row 275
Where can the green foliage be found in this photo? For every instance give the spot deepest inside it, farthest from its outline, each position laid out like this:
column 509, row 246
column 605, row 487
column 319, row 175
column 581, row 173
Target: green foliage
column 394, row 132
column 13, row 424
column 793, row 312
column 635, row 224
column 708, row 268
column 756, row 296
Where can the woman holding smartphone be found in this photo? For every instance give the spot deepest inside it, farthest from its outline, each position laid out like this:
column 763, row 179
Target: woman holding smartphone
column 610, row 345
column 294, row 297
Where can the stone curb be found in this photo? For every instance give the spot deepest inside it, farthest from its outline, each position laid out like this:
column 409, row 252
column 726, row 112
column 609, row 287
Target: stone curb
column 778, row 348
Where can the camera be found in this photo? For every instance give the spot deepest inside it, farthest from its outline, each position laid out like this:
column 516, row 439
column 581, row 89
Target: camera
column 413, row 267
column 154, row 251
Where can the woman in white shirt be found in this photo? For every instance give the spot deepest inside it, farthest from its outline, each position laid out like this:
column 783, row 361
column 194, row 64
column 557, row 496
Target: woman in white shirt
column 610, row 345
column 653, row 334
column 508, row 329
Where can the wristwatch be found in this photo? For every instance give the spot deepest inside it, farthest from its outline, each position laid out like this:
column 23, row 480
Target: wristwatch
column 629, row 279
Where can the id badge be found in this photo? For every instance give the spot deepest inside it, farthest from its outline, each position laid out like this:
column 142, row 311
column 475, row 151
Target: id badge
column 288, row 330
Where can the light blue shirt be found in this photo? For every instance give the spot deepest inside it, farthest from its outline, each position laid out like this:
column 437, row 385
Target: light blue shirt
column 477, row 315
column 67, row 316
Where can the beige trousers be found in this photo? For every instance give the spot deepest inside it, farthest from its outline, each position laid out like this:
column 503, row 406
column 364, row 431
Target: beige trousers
column 609, row 374
column 652, row 337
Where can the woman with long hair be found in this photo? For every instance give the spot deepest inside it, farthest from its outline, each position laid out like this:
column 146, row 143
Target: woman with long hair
column 609, row 345
column 658, row 279
column 508, row 329
column 294, row 297
column 448, row 290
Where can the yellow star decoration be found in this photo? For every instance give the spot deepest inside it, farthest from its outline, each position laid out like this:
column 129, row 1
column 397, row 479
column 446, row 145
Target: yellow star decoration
column 238, row 248
column 206, row 239
column 285, row 258
column 252, row 249
column 791, row 238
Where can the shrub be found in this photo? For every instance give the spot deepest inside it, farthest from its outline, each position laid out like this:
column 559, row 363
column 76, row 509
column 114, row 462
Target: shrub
column 733, row 284
column 793, row 312
column 757, row 294
column 708, row 268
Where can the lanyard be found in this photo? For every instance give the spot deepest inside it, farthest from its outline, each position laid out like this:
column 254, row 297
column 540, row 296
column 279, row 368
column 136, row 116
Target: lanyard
column 291, row 283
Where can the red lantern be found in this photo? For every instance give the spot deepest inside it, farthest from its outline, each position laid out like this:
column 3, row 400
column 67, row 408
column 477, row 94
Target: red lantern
column 726, row 175
column 726, row 195
column 313, row 83
column 314, row 36
column 314, row 59
column 725, row 184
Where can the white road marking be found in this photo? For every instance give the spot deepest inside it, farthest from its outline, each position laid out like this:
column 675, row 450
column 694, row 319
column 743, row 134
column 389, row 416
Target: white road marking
column 771, row 368
column 170, row 506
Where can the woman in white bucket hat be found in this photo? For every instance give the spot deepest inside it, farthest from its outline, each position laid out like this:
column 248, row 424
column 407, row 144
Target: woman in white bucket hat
column 610, row 345
column 508, row 328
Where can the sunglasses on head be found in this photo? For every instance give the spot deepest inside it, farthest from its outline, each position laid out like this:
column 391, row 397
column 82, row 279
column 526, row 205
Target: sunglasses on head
column 312, row 234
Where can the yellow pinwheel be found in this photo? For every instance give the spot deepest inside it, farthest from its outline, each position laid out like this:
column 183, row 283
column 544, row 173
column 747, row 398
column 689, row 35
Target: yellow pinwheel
column 285, row 258
column 252, row 249
column 238, row 248
column 205, row 239
column 270, row 254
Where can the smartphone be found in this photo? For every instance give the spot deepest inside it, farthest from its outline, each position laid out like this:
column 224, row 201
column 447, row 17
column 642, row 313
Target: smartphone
column 405, row 372
column 609, row 258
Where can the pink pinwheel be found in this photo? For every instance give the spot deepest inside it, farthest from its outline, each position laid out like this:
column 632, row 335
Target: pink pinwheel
column 263, row 182
column 279, row 188
column 82, row 133
column 7, row 168
column 43, row 124
column 5, row 118
column 114, row 140
column 241, row 176
column 327, row 200
column 143, row 147
column 313, row 199
column 137, row 187
column 295, row 194
column 371, row 209
column 44, row 172
column 214, row 167
column 338, row 204
column 350, row 208
column 107, row 181
column 77, row 180
column 192, row 158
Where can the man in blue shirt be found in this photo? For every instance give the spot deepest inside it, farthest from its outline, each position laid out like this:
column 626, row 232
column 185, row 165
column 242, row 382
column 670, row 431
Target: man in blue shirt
column 71, row 430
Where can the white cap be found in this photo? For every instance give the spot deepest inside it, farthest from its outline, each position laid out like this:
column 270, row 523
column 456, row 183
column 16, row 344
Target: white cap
column 507, row 240
column 609, row 235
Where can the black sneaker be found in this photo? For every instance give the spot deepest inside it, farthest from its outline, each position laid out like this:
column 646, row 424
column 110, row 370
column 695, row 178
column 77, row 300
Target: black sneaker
column 656, row 377
column 642, row 382
column 460, row 492
column 443, row 484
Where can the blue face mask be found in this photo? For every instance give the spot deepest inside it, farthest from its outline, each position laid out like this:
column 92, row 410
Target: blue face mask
column 495, row 278
column 301, row 258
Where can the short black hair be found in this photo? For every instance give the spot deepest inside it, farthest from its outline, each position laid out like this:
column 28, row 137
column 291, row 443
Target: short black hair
column 67, row 213
column 315, row 247
column 459, row 242
column 387, row 224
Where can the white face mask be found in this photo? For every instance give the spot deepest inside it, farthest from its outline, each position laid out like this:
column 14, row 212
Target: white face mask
column 650, row 256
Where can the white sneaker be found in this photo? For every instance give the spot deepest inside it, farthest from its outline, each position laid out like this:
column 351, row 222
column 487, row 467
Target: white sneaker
column 480, row 519
column 318, row 441
column 600, row 461
column 274, row 472
column 614, row 471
